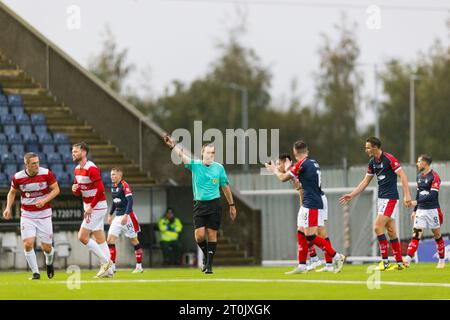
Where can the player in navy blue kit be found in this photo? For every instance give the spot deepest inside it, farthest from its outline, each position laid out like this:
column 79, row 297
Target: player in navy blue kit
column 427, row 212
column 125, row 220
column 308, row 173
column 386, row 168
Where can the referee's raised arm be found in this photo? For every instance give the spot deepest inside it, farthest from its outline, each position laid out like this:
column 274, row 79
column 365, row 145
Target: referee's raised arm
column 178, row 150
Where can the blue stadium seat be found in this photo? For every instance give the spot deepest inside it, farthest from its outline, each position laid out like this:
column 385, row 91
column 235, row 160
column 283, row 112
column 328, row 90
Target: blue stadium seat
column 48, row 148
column 65, row 149
column 15, row 100
column 4, row 110
column 9, row 129
column 17, row 111
column 42, row 157
column 32, row 147
column 3, row 100
column 40, row 129
column 60, row 138
column 37, row 118
column 3, row 138
column 4, row 180
column 22, row 119
column 3, row 148
column 53, row 158
column 7, row 119
column 57, row 168
column 10, row 169
column 45, row 138
column 8, row 158
column 63, row 178
column 70, row 167
column 18, row 150
column 14, row 138
column 25, row 129
column 30, row 138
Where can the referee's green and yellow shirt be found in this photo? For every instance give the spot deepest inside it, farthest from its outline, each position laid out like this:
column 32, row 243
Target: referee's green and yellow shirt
column 206, row 180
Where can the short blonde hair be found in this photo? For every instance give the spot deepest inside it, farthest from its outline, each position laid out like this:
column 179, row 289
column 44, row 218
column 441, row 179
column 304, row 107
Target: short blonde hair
column 29, row 155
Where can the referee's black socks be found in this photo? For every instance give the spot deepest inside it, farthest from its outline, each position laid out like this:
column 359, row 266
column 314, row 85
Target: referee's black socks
column 211, row 251
column 204, row 247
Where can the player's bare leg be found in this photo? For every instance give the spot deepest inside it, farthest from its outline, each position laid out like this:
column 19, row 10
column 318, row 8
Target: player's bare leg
column 138, row 254
column 112, row 250
column 84, row 235
column 338, row 259
column 47, row 248
column 440, row 247
column 200, row 238
column 30, row 256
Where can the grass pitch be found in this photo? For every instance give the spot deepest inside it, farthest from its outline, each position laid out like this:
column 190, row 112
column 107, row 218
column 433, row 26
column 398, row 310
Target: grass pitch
column 421, row 281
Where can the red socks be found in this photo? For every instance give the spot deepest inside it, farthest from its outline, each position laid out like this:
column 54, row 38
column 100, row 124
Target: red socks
column 112, row 251
column 302, row 247
column 412, row 247
column 396, row 251
column 382, row 242
column 440, row 248
column 322, row 244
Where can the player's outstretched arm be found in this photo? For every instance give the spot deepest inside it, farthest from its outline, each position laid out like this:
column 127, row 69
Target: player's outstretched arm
column 346, row 198
column 177, row 149
column 283, row 177
column 406, row 194
column 9, row 202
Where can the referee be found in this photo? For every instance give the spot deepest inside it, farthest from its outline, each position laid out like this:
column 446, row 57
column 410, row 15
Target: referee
column 207, row 177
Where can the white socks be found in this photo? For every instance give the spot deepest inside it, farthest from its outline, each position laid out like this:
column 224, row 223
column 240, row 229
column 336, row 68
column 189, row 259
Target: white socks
column 49, row 257
column 31, row 259
column 97, row 250
column 105, row 249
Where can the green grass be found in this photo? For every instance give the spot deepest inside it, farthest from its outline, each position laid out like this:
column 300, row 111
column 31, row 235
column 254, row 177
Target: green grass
column 190, row 284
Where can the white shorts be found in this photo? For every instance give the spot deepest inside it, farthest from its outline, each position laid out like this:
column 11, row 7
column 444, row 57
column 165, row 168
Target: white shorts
column 323, row 213
column 97, row 220
column 130, row 229
column 388, row 208
column 428, row 218
column 309, row 218
column 43, row 228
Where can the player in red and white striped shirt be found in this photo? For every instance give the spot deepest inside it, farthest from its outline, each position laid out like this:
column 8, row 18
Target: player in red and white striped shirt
column 88, row 184
column 37, row 187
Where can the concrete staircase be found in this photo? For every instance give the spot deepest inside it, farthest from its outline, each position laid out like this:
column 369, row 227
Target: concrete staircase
column 230, row 254
column 59, row 118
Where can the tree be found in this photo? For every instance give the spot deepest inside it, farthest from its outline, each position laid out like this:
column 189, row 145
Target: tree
column 111, row 65
column 338, row 98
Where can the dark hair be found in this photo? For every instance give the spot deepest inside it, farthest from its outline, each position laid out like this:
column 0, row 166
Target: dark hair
column 284, row 156
column 170, row 209
column 374, row 141
column 427, row 158
column 300, row 146
column 82, row 145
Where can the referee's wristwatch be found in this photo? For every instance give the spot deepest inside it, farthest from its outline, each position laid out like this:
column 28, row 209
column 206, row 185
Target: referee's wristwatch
column 232, row 205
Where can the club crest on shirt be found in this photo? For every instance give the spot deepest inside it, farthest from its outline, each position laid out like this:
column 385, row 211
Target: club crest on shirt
column 214, row 181
column 27, row 194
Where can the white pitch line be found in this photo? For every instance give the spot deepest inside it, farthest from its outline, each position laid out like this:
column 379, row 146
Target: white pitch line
column 388, row 283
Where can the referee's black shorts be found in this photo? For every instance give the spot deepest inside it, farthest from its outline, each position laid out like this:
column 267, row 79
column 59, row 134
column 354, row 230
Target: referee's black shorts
column 207, row 214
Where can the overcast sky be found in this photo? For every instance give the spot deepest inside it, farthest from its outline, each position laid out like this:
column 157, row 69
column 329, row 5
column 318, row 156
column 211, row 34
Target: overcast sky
column 176, row 38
